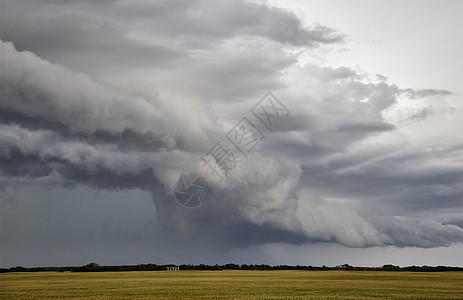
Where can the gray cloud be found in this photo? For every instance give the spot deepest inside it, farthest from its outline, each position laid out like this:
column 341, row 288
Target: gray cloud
column 38, row 89
column 451, row 219
column 350, row 165
column 198, row 22
column 422, row 93
column 59, row 33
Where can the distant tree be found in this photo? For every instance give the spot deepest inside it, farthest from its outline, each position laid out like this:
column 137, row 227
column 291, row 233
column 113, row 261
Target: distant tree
column 91, row 267
column 230, row 267
column 345, row 267
column 390, row 268
column 18, row 269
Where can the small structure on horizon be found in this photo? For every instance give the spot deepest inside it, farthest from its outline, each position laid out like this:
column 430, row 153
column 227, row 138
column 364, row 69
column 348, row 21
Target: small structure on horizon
column 173, row 268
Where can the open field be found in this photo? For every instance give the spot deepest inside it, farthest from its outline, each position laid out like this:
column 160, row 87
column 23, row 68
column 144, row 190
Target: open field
column 230, row 284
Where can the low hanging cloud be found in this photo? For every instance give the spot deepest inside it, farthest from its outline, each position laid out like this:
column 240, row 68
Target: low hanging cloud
column 38, row 89
column 349, row 165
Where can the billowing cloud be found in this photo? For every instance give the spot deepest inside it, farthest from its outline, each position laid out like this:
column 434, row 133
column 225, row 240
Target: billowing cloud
column 359, row 161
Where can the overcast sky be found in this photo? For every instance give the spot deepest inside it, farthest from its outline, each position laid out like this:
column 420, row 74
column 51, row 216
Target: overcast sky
column 103, row 105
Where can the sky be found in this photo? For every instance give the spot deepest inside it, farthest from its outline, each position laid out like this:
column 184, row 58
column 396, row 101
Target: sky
column 355, row 157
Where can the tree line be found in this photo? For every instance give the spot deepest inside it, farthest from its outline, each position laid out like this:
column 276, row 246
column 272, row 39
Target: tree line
column 93, row 267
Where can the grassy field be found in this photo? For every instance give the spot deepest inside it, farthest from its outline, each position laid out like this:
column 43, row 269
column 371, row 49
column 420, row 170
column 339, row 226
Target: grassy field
column 233, row 285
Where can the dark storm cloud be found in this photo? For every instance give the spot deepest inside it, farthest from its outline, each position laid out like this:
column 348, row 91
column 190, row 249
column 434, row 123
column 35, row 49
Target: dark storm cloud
column 60, row 36
column 221, row 50
column 451, row 218
column 342, row 168
column 38, row 89
column 94, row 30
column 197, row 22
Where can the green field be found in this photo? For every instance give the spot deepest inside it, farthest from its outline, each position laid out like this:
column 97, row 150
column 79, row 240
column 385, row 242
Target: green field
column 230, row 284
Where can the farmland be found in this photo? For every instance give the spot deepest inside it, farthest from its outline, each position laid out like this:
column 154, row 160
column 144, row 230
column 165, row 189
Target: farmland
column 233, row 284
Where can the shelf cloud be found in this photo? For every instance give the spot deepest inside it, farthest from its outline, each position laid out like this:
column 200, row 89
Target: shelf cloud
column 119, row 95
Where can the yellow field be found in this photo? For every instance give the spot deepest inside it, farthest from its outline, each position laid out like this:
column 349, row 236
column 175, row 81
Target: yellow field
column 230, row 284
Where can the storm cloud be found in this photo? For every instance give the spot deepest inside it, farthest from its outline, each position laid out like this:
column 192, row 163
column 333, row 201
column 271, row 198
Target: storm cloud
column 119, row 95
